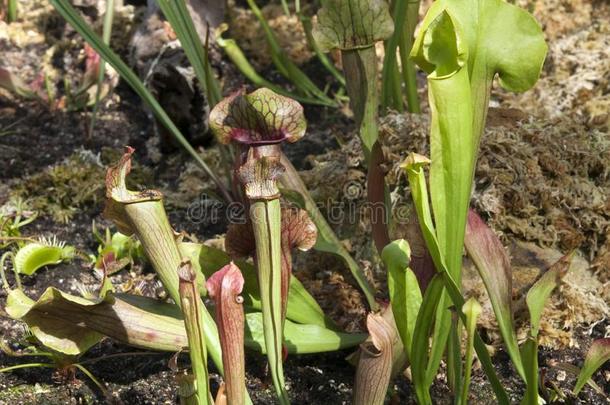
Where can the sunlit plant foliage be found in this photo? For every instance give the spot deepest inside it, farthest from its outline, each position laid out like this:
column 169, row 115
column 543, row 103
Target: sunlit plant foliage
column 462, row 47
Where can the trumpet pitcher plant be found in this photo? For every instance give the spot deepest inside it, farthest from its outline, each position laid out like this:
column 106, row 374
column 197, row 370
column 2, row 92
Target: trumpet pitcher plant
column 463, row 46
column 259, row 122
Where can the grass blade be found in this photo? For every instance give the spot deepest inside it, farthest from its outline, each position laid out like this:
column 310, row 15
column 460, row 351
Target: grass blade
column 12, row 10
column 408, row 67
column 326, row 62
column 417, row 181
column 391, row 90
column 89, row 374
column 598, row 354
column 296, row 191
column 182, row 23
column 285, row 66
column 405, row 14
column 240, row 60
column 493, row 266
column 78, row 23
column 27, row 365
column 106, row 34
column 541, row 290
column 405, row 294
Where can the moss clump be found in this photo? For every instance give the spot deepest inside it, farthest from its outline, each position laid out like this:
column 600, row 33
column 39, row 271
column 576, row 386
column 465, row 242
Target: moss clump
column 74, row 184
column 46, row 394
column 60, row 190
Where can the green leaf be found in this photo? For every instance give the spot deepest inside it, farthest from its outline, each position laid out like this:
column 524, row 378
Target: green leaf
column 500, row 38
column 352, row 24
column 598, row 354
column 463, row 45
column 71, row 325
column 421, row 335
column 493, row 265
column 55, row 330
column 471, row 309
column 36, row 255
column 417, row 181
column 405, row 295
column 529, row 353
column 64, row 8
column 455, row 53
column 300, row 338
column 451, row 138
column 462, row 50
column 456, row 47
column 541, row 290
column 302, row 307
column 443, row 47
column 177, row 14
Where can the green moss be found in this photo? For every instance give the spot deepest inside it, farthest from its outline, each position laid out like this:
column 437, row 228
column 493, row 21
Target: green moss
column 22, row 391
column 74, row 184
column 60, row 190
column 44, row 394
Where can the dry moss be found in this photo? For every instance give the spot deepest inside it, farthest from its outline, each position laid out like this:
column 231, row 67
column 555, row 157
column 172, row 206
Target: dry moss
column 576, row 76
column 576, row 304
column 193, row 184
column 543, row 181
column 338, row 297
column 560, row 17
column 250, row 36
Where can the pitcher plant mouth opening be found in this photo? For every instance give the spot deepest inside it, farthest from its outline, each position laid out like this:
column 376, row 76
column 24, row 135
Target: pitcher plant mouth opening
column 258, row 118
column 260, row 121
